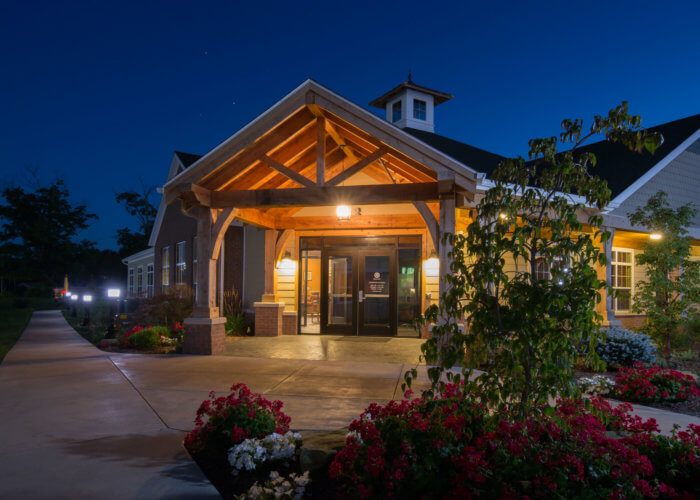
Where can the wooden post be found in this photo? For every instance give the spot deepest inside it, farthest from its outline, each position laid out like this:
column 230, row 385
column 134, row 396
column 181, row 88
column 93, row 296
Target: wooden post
column 446, row 225
column 269, row 294
column 607, row 248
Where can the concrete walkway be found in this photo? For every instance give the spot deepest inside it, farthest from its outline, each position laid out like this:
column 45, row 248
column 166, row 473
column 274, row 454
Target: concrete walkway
column 74, row 427
column 81, row 423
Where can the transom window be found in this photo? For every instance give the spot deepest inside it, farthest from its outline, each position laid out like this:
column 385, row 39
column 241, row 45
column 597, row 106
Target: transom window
column 396, row 111
column 419, row 109
column 622, row 278
column 165, row 268
column 180, row 265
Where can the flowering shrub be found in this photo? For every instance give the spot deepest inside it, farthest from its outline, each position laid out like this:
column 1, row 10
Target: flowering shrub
column 596, row 385
column 225, row 421
column 653, row 385
column 251, row 453
column 624, row 347
column 450, row 447
column 278, row 487
column 148, row 337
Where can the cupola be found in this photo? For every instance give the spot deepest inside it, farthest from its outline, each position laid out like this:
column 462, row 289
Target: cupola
column 410, row 105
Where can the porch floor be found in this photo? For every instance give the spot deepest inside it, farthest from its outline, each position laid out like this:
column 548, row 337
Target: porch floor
column 327, row 348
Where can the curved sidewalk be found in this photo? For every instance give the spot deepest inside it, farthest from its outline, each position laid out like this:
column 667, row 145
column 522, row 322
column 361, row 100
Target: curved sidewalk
column 74, row 427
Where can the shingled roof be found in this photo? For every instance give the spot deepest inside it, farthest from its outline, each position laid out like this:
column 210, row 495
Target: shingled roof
column 616, row 163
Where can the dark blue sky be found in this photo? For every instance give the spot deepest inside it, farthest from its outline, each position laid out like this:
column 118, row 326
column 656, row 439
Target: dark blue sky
column 103, row 93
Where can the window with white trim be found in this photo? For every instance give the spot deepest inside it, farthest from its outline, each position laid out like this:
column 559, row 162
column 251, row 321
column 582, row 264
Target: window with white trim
column 622, row 277
column 543, row 271
column 139, row 281
column 396, row 111
column 419, row 109
column 149, row 280
column 180, row 264
column 165, row 268
column 131, row 282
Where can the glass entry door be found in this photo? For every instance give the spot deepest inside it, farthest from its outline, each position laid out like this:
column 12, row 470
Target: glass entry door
column 340, row 311
column 377, row 293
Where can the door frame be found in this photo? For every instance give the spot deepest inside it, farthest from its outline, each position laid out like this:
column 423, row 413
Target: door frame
column 382, row 331
column 327, row 328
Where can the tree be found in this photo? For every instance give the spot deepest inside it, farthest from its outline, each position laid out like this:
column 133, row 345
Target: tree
column 671, row 291
column 137, row 204
column 38, row 230
column 528, row 325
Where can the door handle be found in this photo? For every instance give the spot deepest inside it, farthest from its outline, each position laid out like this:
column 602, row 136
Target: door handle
column 360, row 296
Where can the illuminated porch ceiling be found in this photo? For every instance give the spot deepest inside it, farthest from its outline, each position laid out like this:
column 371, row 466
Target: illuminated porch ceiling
column 314, row 148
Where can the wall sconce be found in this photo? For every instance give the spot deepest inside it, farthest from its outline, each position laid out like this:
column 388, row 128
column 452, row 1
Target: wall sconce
column 655, row 236
column 431, row 267
column 286, row 263
column 343, row 212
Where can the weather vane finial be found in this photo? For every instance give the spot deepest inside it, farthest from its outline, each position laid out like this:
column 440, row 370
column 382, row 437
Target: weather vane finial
column 410, row 77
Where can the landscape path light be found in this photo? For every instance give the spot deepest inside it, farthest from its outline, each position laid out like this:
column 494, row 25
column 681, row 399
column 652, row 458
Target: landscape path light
column 87, row 299
column 113, row 294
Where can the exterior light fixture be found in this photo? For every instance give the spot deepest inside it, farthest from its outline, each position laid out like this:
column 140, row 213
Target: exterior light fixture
column 74, row 297
column 343, row 212
column 68, row 294
column 431, row 266
column 286, row 262
column 87, row 298
column 113, row 293
column 655, row 236
column 503, row 216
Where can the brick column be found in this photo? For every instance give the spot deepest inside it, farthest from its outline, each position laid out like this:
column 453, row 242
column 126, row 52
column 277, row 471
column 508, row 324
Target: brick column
column 204, row 336
column 268, row 319
column 289, row 323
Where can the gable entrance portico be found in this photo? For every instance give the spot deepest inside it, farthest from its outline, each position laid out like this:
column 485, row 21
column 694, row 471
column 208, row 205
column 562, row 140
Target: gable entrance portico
column 285, row 173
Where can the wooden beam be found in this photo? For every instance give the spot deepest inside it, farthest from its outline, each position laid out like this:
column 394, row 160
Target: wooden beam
column 255, row 218
column 325, row 196
column 320, row 150
column 333, row 133
column 288, row 172
column 430, row 221
column 356, row 222
column 364, row 162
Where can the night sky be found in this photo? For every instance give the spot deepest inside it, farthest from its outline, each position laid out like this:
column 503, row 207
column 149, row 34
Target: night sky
column 103, row 93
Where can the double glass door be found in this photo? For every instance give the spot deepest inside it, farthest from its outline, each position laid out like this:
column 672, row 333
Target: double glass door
column 359, row 294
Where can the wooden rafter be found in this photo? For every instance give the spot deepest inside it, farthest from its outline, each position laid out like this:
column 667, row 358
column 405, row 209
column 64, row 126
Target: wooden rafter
column 364, row 162
column 320, row 151
column 288, row 172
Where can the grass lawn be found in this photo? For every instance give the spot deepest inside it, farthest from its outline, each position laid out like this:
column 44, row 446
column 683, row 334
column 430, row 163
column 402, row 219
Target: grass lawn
column 15, row 319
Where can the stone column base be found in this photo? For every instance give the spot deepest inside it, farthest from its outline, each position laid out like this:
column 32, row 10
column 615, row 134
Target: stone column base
column 289, row 323
column 268, row 319
column 204, row 336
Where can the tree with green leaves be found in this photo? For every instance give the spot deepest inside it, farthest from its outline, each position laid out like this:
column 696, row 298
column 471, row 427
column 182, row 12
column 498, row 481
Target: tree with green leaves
column 38, row 233
column 528, row 325
column 137, row 204
column 671, row 291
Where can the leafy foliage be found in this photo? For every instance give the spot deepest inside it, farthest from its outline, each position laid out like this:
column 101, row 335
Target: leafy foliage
column 137, row 204
column 624, row 347
column 667, row 296
column 38, row 231
column 653, row 385
column 529, row 323
column 167, row 308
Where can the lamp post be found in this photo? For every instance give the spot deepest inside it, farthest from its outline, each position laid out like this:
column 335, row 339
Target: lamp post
column 74, row 300
column 113, row 294
column 86, row 300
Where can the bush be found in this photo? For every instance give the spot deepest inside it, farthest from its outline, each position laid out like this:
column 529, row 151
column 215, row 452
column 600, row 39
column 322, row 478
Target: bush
column 149, row 337
column 624, row 348
column 236, row 324
column 166, row 309
column 450, row 447
column 225, row 421
column 145, row 339
column 653, row 385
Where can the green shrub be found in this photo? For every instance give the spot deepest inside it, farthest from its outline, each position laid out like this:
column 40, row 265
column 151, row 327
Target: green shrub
column 145, row 339
column 625, row 348
column 236, row 324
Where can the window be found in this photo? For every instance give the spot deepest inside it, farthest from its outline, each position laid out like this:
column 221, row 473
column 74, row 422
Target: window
column 194, row 267
column 396, row 111
column 149, row 280
column 165, row 268
column 139, row 281
column 131, row 281
column 622, row 260
column 180, row 265
column 544, row 271
column 419, row 108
